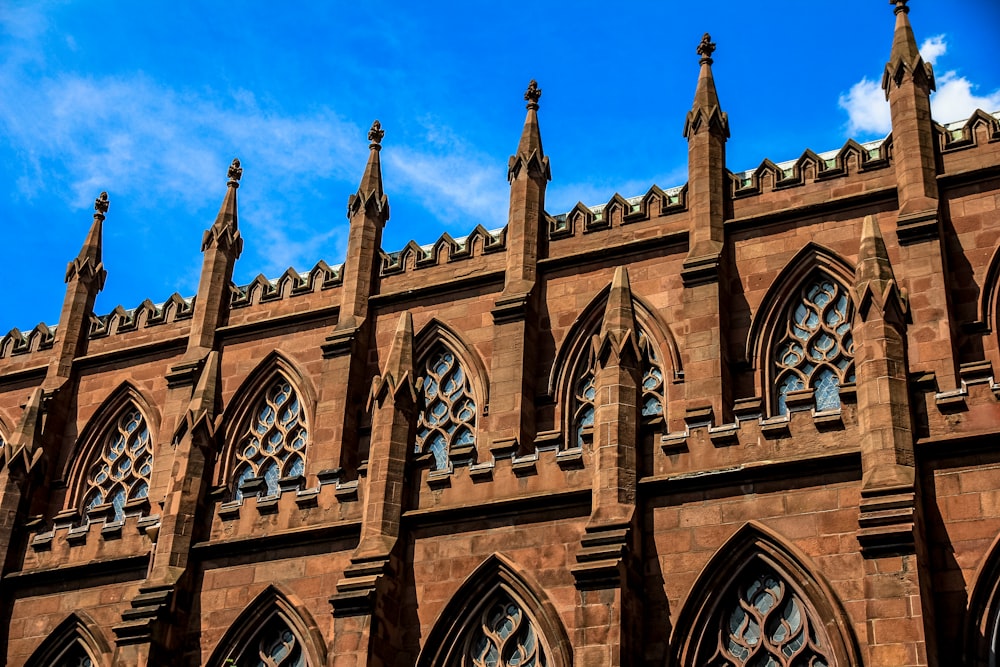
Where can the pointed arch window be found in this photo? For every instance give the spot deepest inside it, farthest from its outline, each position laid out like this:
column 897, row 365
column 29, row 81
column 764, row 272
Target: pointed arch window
column 652, row 401
column 816, row 350
column 502, row 636
column 275, row 645
column 762, row 620
column 75, row 656
column 447, row 423
column 119, row 478
column 273, row 444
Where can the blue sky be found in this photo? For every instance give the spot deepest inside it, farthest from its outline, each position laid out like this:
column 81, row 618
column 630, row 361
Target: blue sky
column 151, row 101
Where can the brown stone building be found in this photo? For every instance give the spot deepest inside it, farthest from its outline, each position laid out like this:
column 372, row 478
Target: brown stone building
column 749, row 421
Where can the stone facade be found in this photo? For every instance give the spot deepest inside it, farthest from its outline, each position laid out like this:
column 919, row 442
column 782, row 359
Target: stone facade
column 751, row 417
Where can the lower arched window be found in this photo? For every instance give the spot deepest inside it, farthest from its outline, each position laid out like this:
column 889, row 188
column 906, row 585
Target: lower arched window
column 275, row 645
column 504, row 636
column 762, row 621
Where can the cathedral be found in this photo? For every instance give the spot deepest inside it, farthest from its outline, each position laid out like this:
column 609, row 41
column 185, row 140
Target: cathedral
column 750, row 420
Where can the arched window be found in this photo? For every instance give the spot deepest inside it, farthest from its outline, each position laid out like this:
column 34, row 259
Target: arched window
column 273, row 631
column 448, row 419
column 120, row 475
column 275, row 645
column 75, row 656
column 76, row 642
column 816, row 349
column 273, row 443
column 652, row 401
column 762, row 620
column 504, row 636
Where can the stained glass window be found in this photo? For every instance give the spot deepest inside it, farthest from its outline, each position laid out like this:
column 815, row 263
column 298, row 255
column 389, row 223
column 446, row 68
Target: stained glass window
column 76, row 656
column 817, row 350
column 121, row 472
column 652, row 401
column 764, row 622
column 274, row 646
column 448, row 419
column 503, row 637
column 274, row 444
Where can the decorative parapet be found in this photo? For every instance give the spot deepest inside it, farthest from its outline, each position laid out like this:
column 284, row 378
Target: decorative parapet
column 618, row 211
column 291, row 283
column 480, row 241
column 980, row 128
column 16, row 342
column 146, row 314
column 850, row 159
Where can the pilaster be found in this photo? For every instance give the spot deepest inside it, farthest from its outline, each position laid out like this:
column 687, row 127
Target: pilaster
column 345, row 352
column 908, row 82
column 707, row 385
column 890, row 523
column 512, row 396
column 366, row 605
column 606, row 563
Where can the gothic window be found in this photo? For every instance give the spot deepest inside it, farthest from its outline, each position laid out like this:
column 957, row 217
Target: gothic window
column 503, row 636
column 273, row 445
column 448, row 419
column 76, row 656
column 763, row 621
column 121, row 473
column 652, row 401
column 816, row 350
column 274, row 646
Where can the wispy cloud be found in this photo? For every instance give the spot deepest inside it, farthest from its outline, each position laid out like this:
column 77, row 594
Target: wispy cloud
column 955, row 98
column 144, row 140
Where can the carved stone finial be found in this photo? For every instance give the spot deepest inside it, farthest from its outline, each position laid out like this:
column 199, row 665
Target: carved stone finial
column 235, row 171
column 900, row 6
column 376, row 133
column 706, row 48
column 532, row 94
column 101, row 204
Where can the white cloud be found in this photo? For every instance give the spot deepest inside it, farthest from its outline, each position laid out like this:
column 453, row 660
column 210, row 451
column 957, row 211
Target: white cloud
column 164, row 147
column 867, row 109
column 955, row 98
column 933, row 48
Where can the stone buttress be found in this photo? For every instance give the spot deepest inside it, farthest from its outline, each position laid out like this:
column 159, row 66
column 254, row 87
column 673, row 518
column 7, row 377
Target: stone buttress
column 707, row 382
column 515, row 312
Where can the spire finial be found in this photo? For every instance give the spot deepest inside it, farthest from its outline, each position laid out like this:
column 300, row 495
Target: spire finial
column 375, row 134
column 235, row 172
column 706, row 48
column 900, row 6
column 532, row 94
column 101, row 204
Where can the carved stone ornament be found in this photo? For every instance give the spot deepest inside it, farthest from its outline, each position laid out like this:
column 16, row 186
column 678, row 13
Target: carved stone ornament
column 900, row 6
column 376, row 133
column 707, row 46
column 235, row 171
column 533, row 93
column 101, row 203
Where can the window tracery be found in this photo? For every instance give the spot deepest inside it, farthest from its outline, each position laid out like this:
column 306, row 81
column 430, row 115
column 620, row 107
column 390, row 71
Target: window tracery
column 76, row 656
column 125, row 461
column 448, row 419
column 652, row 400
column 274, row 646
column 503, row 637
column 764, row 622
column 274, row 443
column 816, row 350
